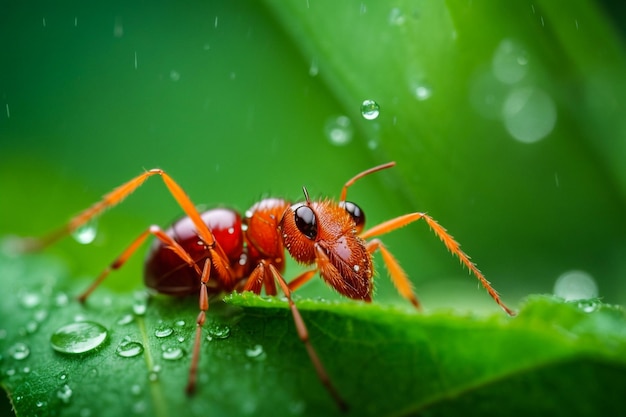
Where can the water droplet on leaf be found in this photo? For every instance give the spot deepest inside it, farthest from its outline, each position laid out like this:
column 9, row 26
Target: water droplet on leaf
column 77, row 338
column 163, row 332
column 172, row 353
column 129, row 349
column 65, row 394
column 257, row 353
column 19, row 351
column 218, row 331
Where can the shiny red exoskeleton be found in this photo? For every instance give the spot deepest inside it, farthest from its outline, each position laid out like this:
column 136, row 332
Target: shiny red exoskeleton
column 218, row 251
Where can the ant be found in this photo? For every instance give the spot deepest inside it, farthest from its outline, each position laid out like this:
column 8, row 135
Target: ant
column 218, row 251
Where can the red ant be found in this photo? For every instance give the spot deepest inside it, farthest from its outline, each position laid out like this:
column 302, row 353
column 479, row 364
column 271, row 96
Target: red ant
column 217, row 251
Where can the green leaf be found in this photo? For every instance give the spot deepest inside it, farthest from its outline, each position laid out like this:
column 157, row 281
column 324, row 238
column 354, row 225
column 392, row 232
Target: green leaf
column 383, row 360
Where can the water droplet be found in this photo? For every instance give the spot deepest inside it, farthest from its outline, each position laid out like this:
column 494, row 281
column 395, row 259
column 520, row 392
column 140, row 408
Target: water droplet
column 164, row 331
column 180, row 323
column 65, row 394
column 338, row 130
column 125, row 319
column 86, row 233
column 139, row 407
column 30, row 299
column 135, row 389
column 129, row 349
column 77, row 338
column 62, row 376
column 40, row 404
column 154, row 373
column 218, row 331
column 314, row 69
column 174, row 75
column 422, row 92
column 575, row 285
column 509, row 62
column 19, row 351
column 257, row 353
column 396, row 17
column 140, row 303
column 370, row 109
column 588, row 306
column 171, row 353
column 529, row 114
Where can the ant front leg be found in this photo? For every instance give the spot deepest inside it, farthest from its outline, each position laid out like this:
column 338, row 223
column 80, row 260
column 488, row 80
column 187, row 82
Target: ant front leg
column 399, row 277
column 303, row 334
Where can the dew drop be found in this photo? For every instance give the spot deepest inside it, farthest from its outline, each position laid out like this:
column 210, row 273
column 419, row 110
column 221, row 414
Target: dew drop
column 77, row 338
column 125, row 319
column 218, row 331
column 40, row 404
column 86, row 233
column 135, row 389
column 180, row 323
column 163, row 332
column 129, row 349
column 370, row 109
column 171, row 353
column 575, row 285
column 19, row 351
column 588, row 306
column 65, row 394
column 154, row 373
column 30, row 299
column 338, row 130
column 257, row 353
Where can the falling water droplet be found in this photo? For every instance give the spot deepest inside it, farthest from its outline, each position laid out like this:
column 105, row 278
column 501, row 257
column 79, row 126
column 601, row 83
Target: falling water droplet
column 370, row 109
column 77, row 338
column 257, row 353
column 129, row 349
column 171, row 353
column 338, row 130
column 19, row 351
column 86, row 233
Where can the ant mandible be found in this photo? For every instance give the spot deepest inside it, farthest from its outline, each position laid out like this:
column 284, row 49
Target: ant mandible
column 217, row 251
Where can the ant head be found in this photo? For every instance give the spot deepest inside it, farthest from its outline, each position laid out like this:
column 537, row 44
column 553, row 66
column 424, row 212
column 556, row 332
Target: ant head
column 325, row 233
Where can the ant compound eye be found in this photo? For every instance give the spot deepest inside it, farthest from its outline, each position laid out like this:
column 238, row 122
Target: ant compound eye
column 355, row 212
column 306, row 221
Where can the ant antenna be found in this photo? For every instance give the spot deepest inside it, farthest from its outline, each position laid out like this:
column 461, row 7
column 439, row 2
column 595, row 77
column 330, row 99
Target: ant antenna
column 306, row 195
column 344, row 190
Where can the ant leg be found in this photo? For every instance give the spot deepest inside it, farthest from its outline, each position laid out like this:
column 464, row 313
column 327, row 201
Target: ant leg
column 301, row 279
column 131, row 249
column 204, row 306
column 115, row 197
column 398, row 276
column 452, row 245
column 303, row 334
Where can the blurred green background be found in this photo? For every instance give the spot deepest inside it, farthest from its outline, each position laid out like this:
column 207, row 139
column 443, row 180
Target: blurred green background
column 506, row 121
